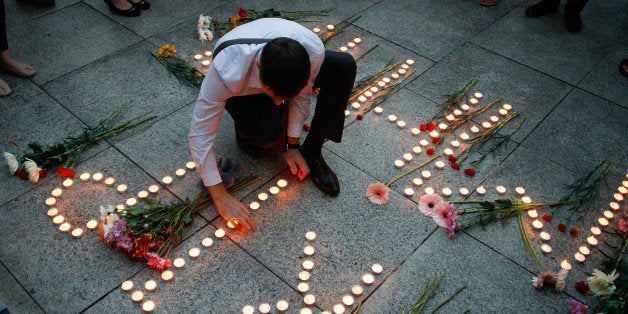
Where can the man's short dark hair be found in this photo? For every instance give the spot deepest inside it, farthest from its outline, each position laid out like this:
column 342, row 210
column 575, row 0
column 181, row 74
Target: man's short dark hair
column 284, row 67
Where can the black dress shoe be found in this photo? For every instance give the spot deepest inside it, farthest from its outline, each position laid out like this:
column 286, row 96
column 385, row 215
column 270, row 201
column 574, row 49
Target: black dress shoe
column 573, row 23
column 132, row 12
column 142, row 5
column 324, row 178
column 542, row 8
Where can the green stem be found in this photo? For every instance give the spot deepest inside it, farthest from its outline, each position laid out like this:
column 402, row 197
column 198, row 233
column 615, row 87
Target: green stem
column 526, row 240
column 448, row 299
column 621, row 252
column 412, row 170
column 358, row 58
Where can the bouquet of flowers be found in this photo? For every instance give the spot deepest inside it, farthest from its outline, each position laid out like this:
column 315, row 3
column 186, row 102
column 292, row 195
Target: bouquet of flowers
column 181, row 68
column 64, row 154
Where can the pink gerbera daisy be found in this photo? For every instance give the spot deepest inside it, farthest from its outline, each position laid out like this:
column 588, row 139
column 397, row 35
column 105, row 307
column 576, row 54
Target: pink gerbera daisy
column 428, row 203
column 442, row 213
column 377, row 193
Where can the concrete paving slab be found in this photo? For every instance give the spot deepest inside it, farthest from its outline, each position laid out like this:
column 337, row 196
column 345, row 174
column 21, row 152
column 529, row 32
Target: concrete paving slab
column 18, row 12
column 14, row 296
column 605, row 80
column 86, row 36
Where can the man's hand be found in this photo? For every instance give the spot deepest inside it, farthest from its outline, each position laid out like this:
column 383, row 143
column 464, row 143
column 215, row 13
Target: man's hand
column 297, row 163
column 230, row 208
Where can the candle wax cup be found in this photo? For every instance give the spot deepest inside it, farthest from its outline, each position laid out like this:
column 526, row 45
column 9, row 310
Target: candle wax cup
column 282, row 305
column 348, row 300
column 310, row 236
column 137, row 296
column 264, row 308
column 417, row 182
column 167, row 275
column 429, row 190
column 464, row 191
column 207, row 242
column 357, row 290
column 127, row 285
column 150, row 285
column 148, row 306
column 303, row 287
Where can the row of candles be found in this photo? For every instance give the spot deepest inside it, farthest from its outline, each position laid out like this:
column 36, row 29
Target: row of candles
column 584, row 250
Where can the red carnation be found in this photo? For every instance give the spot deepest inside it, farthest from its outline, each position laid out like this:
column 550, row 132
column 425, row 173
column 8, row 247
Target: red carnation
column 547, row 217
column 430, row 151
column 358, row 116
column 306, row 127
column 583, row 287
column 14, row 144
column 22, row 174
column 431, row 127
column 562, row 227
column 65, row 172
column 574, row 231
column 455, row 165
column 243, row 14
column 451, row 158
column 42, row 174
column 435, row 140
column 470, row 172
column 423, row 127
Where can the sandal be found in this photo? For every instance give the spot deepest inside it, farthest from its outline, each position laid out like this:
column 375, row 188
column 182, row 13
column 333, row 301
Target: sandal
column 623, row 67
column 5, row 90
column 488, row 3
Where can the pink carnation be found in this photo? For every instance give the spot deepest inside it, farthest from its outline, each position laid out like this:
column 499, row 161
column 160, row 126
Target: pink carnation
column 428, row 203
column 377, row 193
column 546, row 277
column 623, row 225
column 156, row 262
column 576, row 307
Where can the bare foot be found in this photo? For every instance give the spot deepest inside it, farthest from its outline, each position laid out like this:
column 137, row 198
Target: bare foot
column 15, row 67
column 5, row 90
column 122, row 4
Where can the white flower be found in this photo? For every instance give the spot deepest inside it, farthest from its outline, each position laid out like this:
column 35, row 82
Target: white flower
column 201, row 35
column 32, row 169
column 601, row 284
column 209, row 35
column 11, row 162
column 561, row 280
column 105, row 210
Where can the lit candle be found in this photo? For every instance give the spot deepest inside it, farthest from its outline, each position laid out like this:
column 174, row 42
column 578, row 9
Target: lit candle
column 92, row 224
column 622, row 190
column 131, row 201
column 167, row 180
column 448, row 151
column 208, row 53
column 526, row 200
column 480, row 190
column 219, row 233
column 248, row 309
column 545, row 236
column 153, row 189
column 424, row 143
column 463, row 191
column 148, row 306
column 417, row 182
column 57, row 192
column 439, row 164
column 408, row 191
column 142, row 194
column 592, row 241
column 180, row 173
column 348, row 300
column 167, row 275
column 205, row 63
column 473, row 101
column 194, row 252
column 273, row 190
column 310, row 236
column 264, row 308
column 416, row 150
column 330, row 27
column 608, row 214
column 316, row 30
column 84, row 177
column 537, row 224
column 309, row 299
column 262, row 196
column 190, row 165
column 378, row 110
column 351, row 44
column 386, row 80
column 57, row 220
column 357, row 40
column 426, row 174
column 198, row 57
column 429, row 190
column 434, row 133
column 77, row 233
column 565, row 265
column 407, row 157
column 254, row 205
column 507, row 107
column 381, row 84
column 618, row 197
column 207, row 242
column 478, row 95
column 98, row 176
column 457, row 112
column 442, row 126
column 119, row 208
column 52, row 212
column 405, row 66
column 503, row 112
column 450, row 118
column 446, row 192
column 474, row 129
column 374, row 89
column 533, row 214
column 464, row 136
column 596, row 231
column 520, row 190
column 150, row 285
column 68, row 183
column 377, row 268
column 308, row 250
column 402, row 71
column 339, row 308
column 401, row 124
column 307, row 264
column 625, row 183
column 303, row 287
column 368, row 279
column 409, row 62
column 357, row 290
column 304, row 275
column 486, row 125
column 282, row 305
column 602, row 221
column 465, row 107
column 455, row 144
column 494, row 119
column 362, row 99
column 546, row 248
column 343, row 49
column 399, row 164
column 122, row 188
column 584, row 250
column 392, row 118
column 179, row 263
column 127, row 285
column 501, row 190
column 108, row 182
column 579, row 257
column 137, row 296
column 415, row 131
column 395, row 76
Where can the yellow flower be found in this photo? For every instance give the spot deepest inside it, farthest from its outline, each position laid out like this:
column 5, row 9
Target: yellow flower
column 234, row 20
column 166, row 51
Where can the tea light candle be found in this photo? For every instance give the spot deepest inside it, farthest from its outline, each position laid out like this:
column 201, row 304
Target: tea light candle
column 304, row 275
column 401, row 124
column 426, row 174
column 602, row 221
column 309, row 299
column 408, row 157
column 429, row 190
column 392, row 118
column 273, row 190
column 357, row 40
column 584, row 250
column 316, row 30
column 362, row 99
column 167, row 180
column 373, row 89
column 57, row 192
column 330, row 27
column 148, row 306
column 473, row 101
column 179, row 262
column 307, row 264
column 565, row 265
column 464, row 136
column 474, row 129
column 442, row 126
column 417, row 182
column 254, row 205
column 465, row 107
column 416, row 150
column 167, row 275
column 198, row 57
column 450, row 118
column 137, row 296
column 207, row 242
column 348, row 300
column 520, row 190
column 248, row 309
column 77, row 233
column 208, row 53
column 308, row 250
column 408, row 191
column 480, row 190
column 57, row 220
column 355, row 105
column 368, row 279
column 351, row 44
column 405, row 66
column 194, row 252
column 92, row 224
column 339, row 308
column 108, row 182
column 310, row 236
column 395, row 76
column 142, row 194
column 386, row 80
column 592, row 241
column 625, row 183
column 343, row 49
column 402, row 71
column 122, row 188
column 219, row 233
column 264, row 308
column 463, row 191
column 503, row 112
column 399, row 164
column 546, row 248
column 150, row 285
column 377, row 268
column 127, row 285
column 357, row 290
column 545, row 236
column 494, row 119
column 526, row 200
column 457, row 112
column 98, row 176
column 415, row 131
column 131, row 201
column 153, row 189
column 68, row 183
column 618, row 197
column 180, row 173
column 486, row 125
column 448, row 151
column 533, row 214
column 446, row 192
column 424, row 143
column 501, row 190
column 507, row 107
column 608, row 214
column 262, row 196
column 303, row 287
column 52, row 212
column 205, row 63
column 478, row 95
column 409, row 62
column 596, row 231
column 455, row 144
column 381, row 84
column 439, row 164
column 434, row 133
column 378, row 110
column 190, row 165
column 537, row 224
column 579, row 257
column 85, row 176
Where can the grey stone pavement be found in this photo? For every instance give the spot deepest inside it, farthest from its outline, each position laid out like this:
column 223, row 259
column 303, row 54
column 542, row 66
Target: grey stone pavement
column 90, row 61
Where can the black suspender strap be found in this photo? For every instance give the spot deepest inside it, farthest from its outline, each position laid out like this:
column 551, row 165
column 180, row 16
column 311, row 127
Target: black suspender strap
column 240, row 41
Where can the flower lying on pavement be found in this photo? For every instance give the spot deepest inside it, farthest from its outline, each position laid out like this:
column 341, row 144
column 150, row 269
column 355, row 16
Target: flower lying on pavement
column 601, row 284
column 377, row 193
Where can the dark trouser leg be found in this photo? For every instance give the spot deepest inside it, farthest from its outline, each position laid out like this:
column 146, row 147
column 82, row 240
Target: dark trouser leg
column 335, row 80
column 258, row 120
column 573, row 23
column 543, row 7
column 575, row 5
column 4, row 45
